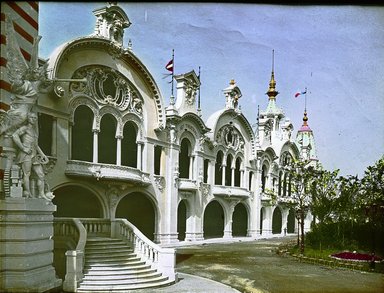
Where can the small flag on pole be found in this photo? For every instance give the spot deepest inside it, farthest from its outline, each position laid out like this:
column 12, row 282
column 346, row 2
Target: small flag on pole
column 169, row 66
column 300, row 93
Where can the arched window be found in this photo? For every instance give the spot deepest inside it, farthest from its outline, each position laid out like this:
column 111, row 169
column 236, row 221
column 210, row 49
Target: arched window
column 184, row 158
column 285, row 185
column 228, row 171
column 107, row 140
column 157, row 162
column 289, row 185
column 280, row 182
column 205, row 174
column 129, row 145
column 263, row 178
column 82, row 135
column 218, row 168
column 237, row 172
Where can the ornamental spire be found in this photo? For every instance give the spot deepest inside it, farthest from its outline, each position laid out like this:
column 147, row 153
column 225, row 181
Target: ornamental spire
column 305, row 126
column 272, row 93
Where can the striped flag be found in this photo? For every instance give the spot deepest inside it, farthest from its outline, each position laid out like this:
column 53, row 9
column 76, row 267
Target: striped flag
column 300, row 93
column 169, row 66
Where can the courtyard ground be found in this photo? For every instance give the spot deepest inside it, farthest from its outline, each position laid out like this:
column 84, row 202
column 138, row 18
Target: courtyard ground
column 254, row 266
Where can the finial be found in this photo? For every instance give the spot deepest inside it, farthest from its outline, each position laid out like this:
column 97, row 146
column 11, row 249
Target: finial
column 305, row 118
column 272, row 93
column 232, row 82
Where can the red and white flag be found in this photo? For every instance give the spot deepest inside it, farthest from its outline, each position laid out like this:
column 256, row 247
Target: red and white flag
column 300, row 93
column 169, row 66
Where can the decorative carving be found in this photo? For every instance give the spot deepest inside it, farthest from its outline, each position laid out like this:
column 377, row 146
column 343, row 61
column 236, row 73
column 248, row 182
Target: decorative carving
column 159, row 182
column 205, row 189
column 230, row 137
column 108, row 87
column 172, row 134
column 190, row 94
column 176, row 176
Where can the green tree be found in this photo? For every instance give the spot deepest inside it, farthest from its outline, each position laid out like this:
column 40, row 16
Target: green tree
column 301, row 175
column 323, row 190
column 371, row 198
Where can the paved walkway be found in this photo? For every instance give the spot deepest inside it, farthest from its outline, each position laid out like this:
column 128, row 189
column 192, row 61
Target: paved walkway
column 193, row 284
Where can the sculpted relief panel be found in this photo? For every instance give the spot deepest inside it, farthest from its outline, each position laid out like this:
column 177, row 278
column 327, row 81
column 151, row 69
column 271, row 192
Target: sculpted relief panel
column 107, row 87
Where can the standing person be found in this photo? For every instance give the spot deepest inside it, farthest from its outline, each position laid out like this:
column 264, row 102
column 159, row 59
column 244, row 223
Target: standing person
column 30, row 156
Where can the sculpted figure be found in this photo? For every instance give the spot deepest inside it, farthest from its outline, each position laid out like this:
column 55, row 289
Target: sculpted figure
column 30, row 156
column 26, row 81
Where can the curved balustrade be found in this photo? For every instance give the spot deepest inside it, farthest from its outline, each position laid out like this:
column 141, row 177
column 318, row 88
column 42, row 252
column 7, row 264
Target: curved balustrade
column 72, row 228
column 97, row 226
column 163, row 259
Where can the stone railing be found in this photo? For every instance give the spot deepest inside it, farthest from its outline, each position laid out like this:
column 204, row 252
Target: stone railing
column 72, row 228
column 162, row 259
column 97, row 226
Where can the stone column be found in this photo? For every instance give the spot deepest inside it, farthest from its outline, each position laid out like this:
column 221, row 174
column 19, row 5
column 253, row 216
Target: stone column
column 139, row 155
column 228, row 223
column 118, row 150
column 95, row 146
column 223, row 174
column 26, row 246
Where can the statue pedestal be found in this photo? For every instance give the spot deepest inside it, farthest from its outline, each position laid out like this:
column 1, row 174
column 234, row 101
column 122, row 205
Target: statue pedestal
column 26, row 245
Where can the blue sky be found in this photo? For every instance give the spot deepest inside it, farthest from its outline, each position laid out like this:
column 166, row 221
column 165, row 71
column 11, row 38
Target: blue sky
column 335, row 51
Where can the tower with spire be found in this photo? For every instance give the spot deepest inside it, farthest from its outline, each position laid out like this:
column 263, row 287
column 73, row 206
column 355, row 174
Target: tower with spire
column 305, row 141
column 272, row 125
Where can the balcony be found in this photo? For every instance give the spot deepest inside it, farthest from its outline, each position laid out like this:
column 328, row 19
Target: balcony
column 106, row 172
column 231, row 191
column 187, row 184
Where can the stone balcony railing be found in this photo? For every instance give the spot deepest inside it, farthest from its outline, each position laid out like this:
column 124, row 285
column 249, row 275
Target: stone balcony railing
column 106, row 172
column 231, row 191
column 187, row 184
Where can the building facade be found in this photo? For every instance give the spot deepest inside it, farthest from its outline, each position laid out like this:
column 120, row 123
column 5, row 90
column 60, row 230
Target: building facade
column 117, row 150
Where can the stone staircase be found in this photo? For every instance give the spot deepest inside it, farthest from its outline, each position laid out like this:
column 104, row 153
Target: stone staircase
column 111, row 266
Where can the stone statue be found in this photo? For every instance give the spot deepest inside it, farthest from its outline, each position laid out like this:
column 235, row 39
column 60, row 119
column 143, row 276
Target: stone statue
column 31, row 157
column 19, row 123
column 26, row 81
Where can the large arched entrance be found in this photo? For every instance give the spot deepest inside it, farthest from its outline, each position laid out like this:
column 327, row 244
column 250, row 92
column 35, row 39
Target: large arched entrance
column 182, row 220
column 239, row 221
column 138, row 209
column 76, row 202
column 291, row 221
column 276, row 221
column 213, row 220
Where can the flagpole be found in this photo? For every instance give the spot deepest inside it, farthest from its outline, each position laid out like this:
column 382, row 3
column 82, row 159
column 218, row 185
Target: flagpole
column 173, row 62
column 198, row 100
column 305, row 100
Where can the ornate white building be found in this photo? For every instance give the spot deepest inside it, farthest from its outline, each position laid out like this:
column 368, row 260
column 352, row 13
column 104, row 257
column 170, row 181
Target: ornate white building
column 116, row 150
column 120, row 151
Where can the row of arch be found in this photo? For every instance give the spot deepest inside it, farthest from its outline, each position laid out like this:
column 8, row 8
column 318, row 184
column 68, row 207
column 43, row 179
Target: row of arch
column 73, row 201
column 103, row 145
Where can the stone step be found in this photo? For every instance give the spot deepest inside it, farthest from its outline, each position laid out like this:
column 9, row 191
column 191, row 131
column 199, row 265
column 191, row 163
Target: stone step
column 112, row 256
column 122, row 262
column 107, row 249
column 115, row 267
column 118, row 278
column 122, row 285
column 123, row 288
column 118, row 273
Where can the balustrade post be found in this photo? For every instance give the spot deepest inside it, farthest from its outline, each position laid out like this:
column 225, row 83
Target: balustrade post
column 74, row 272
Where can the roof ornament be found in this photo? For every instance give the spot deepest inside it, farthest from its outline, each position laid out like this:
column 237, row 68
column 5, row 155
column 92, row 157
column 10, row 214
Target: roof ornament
column 272, row 93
